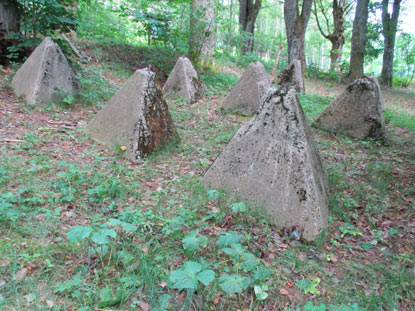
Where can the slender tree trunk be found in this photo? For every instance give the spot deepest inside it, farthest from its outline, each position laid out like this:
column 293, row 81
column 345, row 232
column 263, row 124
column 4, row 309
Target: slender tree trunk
column 9, row 17
column 389, row 25
column 201, row 39
column 336, row 55
column 230, row 24
column 336, row 37
column 248, row 12
column 357, row 54
column 295, row 26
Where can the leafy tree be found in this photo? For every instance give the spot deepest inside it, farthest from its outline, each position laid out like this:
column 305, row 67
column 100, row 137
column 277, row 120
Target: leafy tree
column 336, row 36
column 248, row 12
column 357, row 54
column 390, row 25
column 201, row 39
column 295, row 27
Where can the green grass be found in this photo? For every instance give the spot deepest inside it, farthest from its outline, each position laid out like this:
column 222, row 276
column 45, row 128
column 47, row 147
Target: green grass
column 87, row 230
column 400, row 118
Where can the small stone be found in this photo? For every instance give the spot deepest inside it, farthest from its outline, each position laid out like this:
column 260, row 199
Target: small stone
column 357, row 112
column 136, row 118
column 292, row 76
column 184, row 81
column 248, row 94
column 45, row 75
column 273, row 161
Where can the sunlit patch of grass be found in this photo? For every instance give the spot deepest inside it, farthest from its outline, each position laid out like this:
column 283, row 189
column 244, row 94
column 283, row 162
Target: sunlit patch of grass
column 400, row 118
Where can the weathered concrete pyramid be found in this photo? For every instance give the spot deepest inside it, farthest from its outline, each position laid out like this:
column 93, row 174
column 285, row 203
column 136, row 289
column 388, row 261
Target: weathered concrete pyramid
column 45, row 75
column 136, row 118
column 272, row 160
column 292, row 76
column 184, row 81
column 248, row 94
column 357, row 112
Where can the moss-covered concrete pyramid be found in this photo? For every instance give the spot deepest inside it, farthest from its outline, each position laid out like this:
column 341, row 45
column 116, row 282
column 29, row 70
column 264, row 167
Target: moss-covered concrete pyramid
column 45, row 75
column 272, row 160
column 136, row 120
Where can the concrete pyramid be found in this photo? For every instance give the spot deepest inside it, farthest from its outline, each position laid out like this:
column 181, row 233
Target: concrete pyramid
column 357, row 112
column 136, row 118
column 292, row 76
column 184, row 81
column 248, row 94
column 272, row 160
column 45, row 75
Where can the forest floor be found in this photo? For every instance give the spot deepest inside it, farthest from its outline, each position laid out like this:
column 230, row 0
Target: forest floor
column 146, row 230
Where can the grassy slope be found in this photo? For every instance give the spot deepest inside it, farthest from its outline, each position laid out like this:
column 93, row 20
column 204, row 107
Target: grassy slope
column 53, row 178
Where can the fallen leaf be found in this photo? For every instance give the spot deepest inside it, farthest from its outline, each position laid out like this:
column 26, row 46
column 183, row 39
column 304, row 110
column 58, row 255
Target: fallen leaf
column 49, row 303
column 163, row 284
column 283, row 291
column 144, row 306
column 20, row 275
column 4, row 262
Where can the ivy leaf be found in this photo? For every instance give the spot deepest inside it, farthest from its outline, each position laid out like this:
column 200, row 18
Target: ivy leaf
column 309, row 306
column 129, row 227
column 261, row 273
column 193, row 243
column 100, row 238
column 233, row 283
column 189, row 276
column 228, row 238
column 239, row 207
column 206, row 277
column 78, row 234
column 186, row 277
column 261, row 292
column 213, row 195
column 309, row 286
column 109, row 232
column 107, row 297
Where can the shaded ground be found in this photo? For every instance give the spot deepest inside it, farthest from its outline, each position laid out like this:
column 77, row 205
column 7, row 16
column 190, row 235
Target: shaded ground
column 53, row 177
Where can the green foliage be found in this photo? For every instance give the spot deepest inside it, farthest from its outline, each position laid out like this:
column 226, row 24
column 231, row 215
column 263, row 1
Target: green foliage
column 234, row 283
column 239, row 207
column 190, row 275
column 192, row 242
column 309, row 286
column 227, row 239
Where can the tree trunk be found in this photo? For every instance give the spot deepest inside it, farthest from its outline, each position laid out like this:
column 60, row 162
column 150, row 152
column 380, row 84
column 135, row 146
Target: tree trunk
column 295, row 26
column 389, row 26
column 336, row 37
column 9, row 17
column 336, row 55
column 357, row 54
column 248, row 12
column 201, row 39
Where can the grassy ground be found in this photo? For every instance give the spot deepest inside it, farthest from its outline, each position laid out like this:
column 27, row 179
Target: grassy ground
column 83, row 229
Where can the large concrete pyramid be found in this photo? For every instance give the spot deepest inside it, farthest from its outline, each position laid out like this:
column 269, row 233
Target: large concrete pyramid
column 272, row 160
column 136, row 118
column 184, row 81
column 248, row 94
column 357, row 112
column 45, row 75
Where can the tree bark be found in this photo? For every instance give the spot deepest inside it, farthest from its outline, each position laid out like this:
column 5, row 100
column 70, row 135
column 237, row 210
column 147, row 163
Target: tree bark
column 389, row 27
column 248, row 12
column 201, row 39
column 295, row 26
column 336, row 37
column 9, row 17
column 357, row 54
